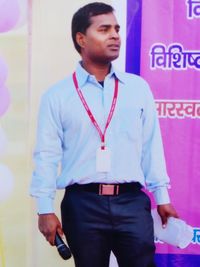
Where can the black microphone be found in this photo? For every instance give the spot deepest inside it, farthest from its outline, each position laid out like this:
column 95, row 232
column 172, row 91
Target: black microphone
column 63, row 250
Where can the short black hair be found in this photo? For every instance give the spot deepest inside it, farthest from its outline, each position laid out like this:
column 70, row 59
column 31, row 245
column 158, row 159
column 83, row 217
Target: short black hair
column 81, row 19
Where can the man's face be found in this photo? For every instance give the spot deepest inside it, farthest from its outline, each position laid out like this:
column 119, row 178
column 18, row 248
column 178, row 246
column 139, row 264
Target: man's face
column 101, row 42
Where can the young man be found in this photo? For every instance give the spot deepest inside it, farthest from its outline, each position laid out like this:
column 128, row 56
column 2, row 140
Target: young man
column 102, row 126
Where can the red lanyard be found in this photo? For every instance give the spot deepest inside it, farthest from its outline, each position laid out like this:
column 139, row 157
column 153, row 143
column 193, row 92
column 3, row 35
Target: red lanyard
column 101, row 134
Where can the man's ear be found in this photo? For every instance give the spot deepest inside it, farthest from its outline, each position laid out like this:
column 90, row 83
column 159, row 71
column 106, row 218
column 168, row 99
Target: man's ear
column 80, row 39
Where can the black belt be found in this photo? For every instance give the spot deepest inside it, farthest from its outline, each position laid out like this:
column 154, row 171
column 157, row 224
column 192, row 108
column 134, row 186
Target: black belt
column 107, row 189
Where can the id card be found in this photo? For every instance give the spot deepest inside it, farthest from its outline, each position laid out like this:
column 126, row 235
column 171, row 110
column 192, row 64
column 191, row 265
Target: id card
column 103, row 160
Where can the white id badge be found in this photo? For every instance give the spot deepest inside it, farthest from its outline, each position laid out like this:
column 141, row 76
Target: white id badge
column 103, row 160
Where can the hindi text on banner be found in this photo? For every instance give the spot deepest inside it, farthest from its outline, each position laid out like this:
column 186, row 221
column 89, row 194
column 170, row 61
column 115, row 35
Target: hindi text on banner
column 178, row 109
column 173, row 57
column 193, row 9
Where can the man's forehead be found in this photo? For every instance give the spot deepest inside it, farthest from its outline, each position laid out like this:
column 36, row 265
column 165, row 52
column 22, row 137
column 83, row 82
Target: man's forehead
column 104, row 19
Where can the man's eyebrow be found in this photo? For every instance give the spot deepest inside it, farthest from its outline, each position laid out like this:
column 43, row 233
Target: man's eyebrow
column 109, row 25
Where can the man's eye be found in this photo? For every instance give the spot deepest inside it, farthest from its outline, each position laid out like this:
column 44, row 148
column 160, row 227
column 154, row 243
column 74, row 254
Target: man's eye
column 117, row 29
column 103, row 29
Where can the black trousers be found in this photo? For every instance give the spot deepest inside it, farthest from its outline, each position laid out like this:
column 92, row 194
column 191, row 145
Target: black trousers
column 95, row 225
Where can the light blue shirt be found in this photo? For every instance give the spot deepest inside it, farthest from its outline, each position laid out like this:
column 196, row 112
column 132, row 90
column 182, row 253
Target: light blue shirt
column 66, row 135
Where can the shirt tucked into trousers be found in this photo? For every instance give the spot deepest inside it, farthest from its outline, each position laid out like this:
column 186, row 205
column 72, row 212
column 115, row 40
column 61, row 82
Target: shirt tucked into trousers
column 95, row 224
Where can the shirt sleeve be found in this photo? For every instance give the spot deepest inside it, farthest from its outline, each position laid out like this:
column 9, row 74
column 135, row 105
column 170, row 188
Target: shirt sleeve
column 153, row 159
column 47, row 155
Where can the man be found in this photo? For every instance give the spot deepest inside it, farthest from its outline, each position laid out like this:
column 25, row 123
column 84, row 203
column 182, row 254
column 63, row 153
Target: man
column 102, row 126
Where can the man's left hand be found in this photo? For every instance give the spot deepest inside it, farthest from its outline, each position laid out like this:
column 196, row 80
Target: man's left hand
column 165, row 211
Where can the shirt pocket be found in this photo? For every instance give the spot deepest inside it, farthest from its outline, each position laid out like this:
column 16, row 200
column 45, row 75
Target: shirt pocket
column 129, row 123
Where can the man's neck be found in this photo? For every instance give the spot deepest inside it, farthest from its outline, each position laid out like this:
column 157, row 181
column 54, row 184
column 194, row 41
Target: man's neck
column 98, row 70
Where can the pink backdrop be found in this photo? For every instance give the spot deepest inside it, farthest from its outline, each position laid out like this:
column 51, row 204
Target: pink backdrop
column 174, row 76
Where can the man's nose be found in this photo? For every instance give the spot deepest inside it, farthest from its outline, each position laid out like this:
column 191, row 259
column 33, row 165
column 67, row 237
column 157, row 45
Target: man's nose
column 115, row 34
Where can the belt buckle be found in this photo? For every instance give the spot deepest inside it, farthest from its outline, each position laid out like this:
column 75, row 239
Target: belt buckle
column 108, row 189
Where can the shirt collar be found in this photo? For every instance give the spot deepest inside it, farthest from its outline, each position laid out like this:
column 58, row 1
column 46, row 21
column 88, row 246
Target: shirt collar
column 83, row 76
column 119, row 75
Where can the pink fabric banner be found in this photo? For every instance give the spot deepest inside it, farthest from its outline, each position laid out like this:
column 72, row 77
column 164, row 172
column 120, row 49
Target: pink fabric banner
column 170, row 62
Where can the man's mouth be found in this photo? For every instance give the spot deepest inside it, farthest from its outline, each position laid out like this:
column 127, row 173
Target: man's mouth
column 114, row 46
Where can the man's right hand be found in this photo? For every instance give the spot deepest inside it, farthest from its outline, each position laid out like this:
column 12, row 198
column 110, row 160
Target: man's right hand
column 48, row 225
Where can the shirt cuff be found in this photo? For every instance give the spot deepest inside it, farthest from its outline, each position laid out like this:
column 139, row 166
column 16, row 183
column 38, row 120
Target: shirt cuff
column 161, row 196
column 44, row 205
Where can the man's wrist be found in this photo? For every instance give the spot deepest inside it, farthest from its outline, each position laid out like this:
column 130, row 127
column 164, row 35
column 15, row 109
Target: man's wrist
column 45, row 214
